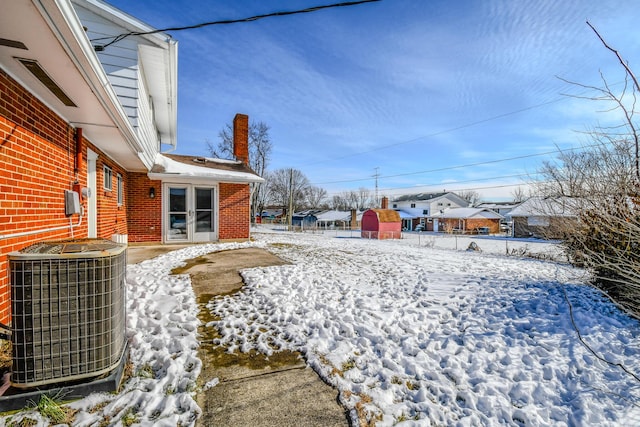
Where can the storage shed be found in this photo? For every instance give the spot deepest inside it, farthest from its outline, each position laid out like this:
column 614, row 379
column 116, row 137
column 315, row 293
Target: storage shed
column 381, row 224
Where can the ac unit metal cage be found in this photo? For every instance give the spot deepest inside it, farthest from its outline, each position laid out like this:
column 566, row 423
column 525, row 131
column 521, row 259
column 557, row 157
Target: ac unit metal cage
column 68, row 311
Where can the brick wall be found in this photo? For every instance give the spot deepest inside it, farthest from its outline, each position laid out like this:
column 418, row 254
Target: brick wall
column 145, row 221
column 448, row 224
column 234, row 212
column 112, row 217
column 37, row 162
column 37, row 156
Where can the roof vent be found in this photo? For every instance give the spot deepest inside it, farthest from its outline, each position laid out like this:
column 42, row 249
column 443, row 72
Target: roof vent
column 34, row 67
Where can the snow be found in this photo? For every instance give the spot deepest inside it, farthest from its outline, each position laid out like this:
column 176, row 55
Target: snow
column 172, row 167
column 413, row 332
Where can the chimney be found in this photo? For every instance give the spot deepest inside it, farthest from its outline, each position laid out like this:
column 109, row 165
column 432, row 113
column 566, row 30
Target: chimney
column 241, row 138
column 385, row 202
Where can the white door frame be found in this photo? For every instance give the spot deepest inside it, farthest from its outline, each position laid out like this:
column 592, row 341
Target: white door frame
column 181, row 225
column 92, row 199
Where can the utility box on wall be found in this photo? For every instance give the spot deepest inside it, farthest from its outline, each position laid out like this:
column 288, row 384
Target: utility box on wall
column 71, row 203
column 68, row 311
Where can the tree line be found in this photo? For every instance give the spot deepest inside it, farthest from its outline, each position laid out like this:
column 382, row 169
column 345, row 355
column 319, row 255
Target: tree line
column 288, row 188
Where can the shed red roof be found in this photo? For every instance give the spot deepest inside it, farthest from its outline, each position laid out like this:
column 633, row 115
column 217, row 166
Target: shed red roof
column 387, row 215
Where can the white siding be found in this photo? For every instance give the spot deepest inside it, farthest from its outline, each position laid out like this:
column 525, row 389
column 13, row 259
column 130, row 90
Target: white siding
column 434, row 206
column 147, row 131
column 121, row 62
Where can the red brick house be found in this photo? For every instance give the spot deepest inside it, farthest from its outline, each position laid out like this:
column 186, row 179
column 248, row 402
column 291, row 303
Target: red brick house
column 467, row 221
column 82, row 121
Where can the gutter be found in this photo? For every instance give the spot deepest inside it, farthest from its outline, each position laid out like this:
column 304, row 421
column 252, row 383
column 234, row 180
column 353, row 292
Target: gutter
column 86, row 58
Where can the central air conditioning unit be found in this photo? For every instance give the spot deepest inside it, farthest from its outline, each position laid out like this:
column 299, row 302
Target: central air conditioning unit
column 68, row 311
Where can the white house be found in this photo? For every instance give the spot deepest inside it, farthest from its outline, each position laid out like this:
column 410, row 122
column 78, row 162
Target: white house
column 418, row 208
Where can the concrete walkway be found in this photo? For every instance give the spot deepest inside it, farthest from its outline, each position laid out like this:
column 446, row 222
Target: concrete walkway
column 253, row 389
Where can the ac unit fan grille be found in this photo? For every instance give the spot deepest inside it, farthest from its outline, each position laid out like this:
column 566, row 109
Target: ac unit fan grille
column 68, row 317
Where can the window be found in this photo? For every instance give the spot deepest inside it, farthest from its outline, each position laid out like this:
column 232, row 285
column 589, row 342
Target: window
column 395, row 205
column 439, row 203
column 425, row 212
column 108, row 178
column 120, row 189
column 413, row 205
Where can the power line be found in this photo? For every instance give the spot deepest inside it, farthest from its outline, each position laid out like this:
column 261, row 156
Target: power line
column 525, row 156
column 115, row 39
column 462, row 126
column 520, row 175
column 444, row 131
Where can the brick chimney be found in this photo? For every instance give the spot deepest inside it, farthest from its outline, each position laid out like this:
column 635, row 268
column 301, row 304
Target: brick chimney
column 385, row 202
column 241, row 138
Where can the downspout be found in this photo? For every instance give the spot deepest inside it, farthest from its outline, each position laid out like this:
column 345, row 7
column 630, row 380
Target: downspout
column 78, row 164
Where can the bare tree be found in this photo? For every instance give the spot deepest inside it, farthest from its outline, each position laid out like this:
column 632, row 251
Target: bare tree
column 603, row 183
column 315, row 197
column 260, row 148
column 288, row 188
column 471, row 196
column 339, row 203
column 519, row 195
column 365, row 200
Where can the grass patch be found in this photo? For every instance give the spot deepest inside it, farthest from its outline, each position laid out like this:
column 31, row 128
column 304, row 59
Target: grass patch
column 129, row 418
column 145, row 371
column 24, row 422
column 54, row 411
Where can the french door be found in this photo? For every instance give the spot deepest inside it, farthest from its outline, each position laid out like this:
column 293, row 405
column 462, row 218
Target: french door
column 190, row 213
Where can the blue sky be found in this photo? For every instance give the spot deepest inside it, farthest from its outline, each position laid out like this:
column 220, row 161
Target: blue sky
column 411, row 87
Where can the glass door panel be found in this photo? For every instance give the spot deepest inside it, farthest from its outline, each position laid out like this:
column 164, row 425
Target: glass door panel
column 205, row 226
column 178, row 224
column 204, row 209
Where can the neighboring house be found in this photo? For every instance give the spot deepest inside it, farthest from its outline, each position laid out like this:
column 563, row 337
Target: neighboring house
column 339, row 219
column 79, row 118
column 304, row 219
column 503, row 208
column 543, row 218
column 467, row 221
column 417, row 209
column 272, row 215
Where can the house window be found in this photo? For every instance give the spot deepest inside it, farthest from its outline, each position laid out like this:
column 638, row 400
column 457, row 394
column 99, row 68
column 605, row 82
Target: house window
column 120, row 189
column 425, row 212
column 448, row 204
column 439, row 203
column 413, row 205
column 108, row 178
column 395, row 205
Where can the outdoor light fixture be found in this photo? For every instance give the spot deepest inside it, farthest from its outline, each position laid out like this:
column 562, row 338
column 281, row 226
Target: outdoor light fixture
column 152, row 193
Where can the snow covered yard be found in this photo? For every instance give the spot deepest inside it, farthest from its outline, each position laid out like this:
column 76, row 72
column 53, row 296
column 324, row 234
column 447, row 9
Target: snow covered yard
column 162, row 331
column 409, row 334
column 437, row 337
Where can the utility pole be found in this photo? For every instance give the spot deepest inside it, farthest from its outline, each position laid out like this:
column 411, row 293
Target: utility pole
column 376, row 175
column 290, row 199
